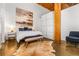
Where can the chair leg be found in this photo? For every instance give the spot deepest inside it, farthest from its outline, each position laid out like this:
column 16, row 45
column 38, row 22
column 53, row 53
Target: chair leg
column 18, row 45
column 75, row 45
column 66, row 43
column 40, row 40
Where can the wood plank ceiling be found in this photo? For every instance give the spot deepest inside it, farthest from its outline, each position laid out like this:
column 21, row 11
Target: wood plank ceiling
column 50, row 6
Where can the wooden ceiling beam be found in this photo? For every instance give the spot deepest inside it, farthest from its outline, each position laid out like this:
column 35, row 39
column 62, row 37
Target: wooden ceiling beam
column 50, row 6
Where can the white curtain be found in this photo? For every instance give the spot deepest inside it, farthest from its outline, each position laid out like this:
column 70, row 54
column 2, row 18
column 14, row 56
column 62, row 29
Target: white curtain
column 2, row 25
column 47, row 25
column 0, row 30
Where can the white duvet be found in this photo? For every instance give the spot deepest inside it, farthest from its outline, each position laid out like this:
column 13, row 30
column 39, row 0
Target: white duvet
column 22, row 34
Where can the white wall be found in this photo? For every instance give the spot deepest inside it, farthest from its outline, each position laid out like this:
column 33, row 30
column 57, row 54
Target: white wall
column 10, row 13
column 37, row 12
column 69, row 20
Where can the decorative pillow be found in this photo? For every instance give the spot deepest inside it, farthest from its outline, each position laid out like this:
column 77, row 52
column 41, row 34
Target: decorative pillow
column 25, row 29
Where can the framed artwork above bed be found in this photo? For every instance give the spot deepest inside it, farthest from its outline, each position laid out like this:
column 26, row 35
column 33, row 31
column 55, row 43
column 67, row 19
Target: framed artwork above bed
column 24, row 18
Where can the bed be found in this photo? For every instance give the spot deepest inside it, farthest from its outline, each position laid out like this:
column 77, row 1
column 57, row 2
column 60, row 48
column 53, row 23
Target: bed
column 28, row 35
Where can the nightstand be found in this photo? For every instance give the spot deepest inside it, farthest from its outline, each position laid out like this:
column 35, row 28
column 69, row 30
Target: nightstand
column 11, row 35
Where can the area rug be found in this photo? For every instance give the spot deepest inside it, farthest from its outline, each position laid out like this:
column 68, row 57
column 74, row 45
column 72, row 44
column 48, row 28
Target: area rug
column 43, row 48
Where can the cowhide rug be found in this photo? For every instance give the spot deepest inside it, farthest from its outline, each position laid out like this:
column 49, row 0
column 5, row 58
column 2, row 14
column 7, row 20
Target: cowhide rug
column 43, row 48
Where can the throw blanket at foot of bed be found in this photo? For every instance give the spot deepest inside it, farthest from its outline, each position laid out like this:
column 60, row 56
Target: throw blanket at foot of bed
column 43, row 48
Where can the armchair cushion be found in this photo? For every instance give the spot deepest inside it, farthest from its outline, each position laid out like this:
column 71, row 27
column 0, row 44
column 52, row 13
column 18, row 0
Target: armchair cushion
column 72, row 39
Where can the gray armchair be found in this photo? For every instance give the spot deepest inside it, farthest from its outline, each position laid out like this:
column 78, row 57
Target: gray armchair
column 73, row 37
